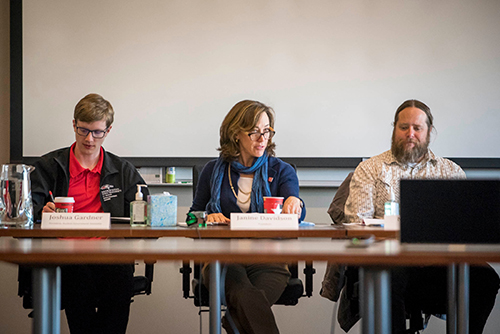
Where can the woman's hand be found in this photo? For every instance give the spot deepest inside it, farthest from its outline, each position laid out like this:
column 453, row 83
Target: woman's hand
column 292, row 205
column 218, row 218
column 49, row 207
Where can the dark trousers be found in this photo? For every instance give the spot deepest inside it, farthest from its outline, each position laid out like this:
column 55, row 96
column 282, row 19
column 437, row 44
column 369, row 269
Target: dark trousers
column 96, row 298
column 251, row 290
column 425, row 288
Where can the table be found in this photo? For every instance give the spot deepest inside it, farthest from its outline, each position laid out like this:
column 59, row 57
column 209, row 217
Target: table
column 47, row 254
column 126, row 231
column 353, row 231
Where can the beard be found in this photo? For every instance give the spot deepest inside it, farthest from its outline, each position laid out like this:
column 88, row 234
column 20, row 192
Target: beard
column 409, row 155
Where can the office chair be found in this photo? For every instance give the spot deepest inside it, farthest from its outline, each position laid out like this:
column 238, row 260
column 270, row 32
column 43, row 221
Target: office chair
column 196, row 175
column 336, row 209
column 289, row 297
column 345, row 278
column 142, row 285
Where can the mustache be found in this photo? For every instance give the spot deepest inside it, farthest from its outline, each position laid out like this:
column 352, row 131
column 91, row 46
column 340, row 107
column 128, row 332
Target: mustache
column 410, row 140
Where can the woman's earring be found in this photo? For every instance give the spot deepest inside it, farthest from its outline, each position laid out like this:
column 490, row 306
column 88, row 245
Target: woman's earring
column 236, row 140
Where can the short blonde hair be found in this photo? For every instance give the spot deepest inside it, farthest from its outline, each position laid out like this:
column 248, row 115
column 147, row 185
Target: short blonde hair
column 93, row 108
column 242, row 117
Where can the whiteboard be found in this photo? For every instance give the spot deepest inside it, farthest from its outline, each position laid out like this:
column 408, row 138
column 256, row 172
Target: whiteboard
column 334, row 72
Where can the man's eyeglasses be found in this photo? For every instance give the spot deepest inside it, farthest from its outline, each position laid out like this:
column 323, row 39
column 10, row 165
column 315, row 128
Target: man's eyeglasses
column 267, row 134
column 95, row 133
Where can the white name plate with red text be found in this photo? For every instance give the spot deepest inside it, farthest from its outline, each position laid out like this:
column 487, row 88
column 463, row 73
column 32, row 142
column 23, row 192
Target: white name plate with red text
column 77, row 221
column 264, row 221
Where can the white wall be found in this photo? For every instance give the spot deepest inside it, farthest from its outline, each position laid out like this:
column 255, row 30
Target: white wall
column 165, row 311
column 335, row 71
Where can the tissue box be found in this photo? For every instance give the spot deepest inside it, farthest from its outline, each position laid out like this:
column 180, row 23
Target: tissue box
column 162, row 210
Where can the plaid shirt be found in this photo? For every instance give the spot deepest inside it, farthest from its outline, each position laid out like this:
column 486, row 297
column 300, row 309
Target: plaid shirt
column 371, row 183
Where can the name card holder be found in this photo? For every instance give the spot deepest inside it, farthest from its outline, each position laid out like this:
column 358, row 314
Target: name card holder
column 392, row 223
column 264, row 221
column 76, row 221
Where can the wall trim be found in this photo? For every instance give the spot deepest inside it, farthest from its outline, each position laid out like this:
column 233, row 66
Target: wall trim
column 468, row 163
column 16, row 81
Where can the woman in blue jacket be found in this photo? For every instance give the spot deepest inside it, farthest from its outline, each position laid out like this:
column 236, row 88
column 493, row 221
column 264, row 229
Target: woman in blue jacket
column 237, row 181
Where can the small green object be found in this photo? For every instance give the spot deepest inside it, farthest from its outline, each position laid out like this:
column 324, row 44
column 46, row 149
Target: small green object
column 191, row 219
column 194, row 217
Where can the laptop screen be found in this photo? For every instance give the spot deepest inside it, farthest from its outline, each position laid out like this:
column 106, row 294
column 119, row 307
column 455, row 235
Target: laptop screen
column 450, row 211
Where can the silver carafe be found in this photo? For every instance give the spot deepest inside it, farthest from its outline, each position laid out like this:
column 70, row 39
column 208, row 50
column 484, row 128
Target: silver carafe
column 16, row 206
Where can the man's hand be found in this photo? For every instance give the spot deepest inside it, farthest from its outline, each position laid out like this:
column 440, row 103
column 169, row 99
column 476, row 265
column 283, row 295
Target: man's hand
column 218, row 218
column 49, row 207
column 292, row 205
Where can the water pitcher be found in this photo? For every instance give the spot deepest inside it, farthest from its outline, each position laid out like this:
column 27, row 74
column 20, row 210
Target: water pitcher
column 16, row 207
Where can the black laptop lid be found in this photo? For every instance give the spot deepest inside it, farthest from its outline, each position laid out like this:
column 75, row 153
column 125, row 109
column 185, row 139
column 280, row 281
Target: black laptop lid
column 450, row 211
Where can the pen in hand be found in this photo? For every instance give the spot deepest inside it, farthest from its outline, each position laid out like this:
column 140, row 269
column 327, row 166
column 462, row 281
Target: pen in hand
column 50, row 206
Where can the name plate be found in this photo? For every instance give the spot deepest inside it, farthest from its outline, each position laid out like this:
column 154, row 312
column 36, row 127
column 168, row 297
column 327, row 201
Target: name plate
column 392, row 223
column 264, row 221
column 77, row 221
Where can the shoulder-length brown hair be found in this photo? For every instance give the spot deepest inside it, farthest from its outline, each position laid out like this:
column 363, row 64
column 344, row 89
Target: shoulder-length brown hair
column 242, row 117
column 415, row 104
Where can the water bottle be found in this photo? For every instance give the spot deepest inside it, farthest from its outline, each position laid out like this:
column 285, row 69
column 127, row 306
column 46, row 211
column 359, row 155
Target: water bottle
column 171, row 175
column 391, row 207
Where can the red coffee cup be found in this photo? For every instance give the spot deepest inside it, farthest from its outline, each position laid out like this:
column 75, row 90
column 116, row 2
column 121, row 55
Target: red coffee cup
column 273, row 205
column 64, row 204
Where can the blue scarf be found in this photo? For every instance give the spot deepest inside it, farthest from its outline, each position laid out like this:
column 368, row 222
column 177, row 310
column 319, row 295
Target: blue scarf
column 260, row 186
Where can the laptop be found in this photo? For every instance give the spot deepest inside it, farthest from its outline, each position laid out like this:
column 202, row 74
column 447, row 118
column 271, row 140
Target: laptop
column 450, row 211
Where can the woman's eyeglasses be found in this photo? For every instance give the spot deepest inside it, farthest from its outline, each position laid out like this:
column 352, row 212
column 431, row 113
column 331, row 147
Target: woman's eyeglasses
column 267, row 134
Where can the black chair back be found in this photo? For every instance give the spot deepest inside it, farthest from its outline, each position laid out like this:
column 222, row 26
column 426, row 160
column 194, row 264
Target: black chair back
column 196, row 174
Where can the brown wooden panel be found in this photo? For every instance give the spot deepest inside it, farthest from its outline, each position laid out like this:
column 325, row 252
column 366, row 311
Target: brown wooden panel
column 125, row 231
column 385, row 253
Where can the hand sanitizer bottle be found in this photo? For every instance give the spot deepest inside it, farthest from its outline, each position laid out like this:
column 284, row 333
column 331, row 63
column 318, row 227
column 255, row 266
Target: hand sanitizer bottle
column 138, row 209
column 391, row 207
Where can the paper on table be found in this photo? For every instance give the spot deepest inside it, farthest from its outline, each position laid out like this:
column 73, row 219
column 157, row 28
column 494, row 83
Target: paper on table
column 373, row 222
column 120, row 219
